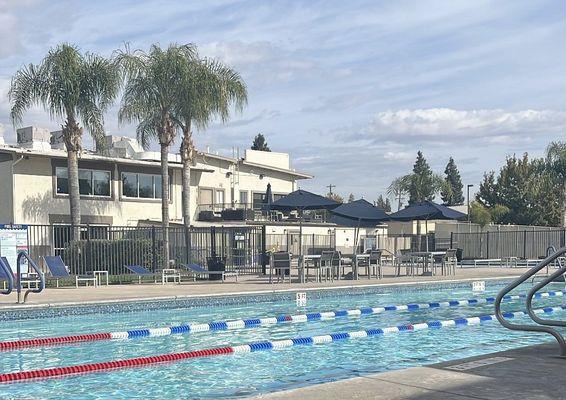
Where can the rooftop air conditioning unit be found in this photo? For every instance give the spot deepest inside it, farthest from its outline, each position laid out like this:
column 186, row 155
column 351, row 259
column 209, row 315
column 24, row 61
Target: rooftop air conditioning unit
column 33, row 138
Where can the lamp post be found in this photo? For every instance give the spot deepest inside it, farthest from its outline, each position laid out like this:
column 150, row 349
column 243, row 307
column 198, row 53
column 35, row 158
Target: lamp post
column 468, row 198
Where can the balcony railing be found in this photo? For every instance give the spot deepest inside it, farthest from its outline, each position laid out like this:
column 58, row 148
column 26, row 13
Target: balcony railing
column 253, row 212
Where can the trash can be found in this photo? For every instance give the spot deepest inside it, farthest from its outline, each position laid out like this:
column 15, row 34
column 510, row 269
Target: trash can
column 215, row 264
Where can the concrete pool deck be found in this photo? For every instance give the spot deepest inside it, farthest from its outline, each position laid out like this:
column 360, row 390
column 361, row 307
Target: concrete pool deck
column 534, row 372
column 245, row 285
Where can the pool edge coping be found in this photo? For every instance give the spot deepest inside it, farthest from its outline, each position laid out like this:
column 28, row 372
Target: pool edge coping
column 24, row 307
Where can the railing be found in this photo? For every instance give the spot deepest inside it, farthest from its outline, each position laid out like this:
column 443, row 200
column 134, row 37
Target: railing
column 109, row 248
column 40, row 277
column 9, row 278
column 545, row 323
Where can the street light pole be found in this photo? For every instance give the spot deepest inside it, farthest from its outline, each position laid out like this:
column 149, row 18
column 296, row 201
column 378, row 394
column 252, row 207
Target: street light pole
column 468, row 197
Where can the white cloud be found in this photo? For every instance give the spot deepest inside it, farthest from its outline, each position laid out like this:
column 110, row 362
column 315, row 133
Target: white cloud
column 449, row 123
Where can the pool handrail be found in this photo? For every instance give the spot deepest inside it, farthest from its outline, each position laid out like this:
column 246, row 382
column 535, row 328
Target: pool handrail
column 550, row 278
column 9, row 277
column 523, row 278
column 41, row 277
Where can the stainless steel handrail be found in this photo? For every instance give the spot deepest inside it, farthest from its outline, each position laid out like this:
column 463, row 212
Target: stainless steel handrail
column 532, row 328
column 9, row 276
column 41, row 286
column 550, row 278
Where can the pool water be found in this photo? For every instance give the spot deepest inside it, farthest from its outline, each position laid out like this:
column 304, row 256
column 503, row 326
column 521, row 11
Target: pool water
column 248, row 374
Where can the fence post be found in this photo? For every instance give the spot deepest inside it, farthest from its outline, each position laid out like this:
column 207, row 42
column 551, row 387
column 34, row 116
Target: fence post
column 188, row 244
column 263, row 250
column 487, row 244
column 213, row 242
column 563, row 238
column 88, row 252
column 153, row 250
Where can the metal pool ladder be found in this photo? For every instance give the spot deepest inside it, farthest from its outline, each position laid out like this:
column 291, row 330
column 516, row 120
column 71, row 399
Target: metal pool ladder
column 8, row 274
column 39, row 273
column 543, row 325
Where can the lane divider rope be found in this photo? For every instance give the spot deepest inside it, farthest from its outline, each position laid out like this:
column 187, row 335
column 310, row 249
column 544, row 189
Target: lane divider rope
column 252, row 322
column 253, row 347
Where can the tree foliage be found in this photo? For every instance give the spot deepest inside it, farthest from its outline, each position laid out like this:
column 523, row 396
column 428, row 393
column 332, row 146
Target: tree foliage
column 334, row 196
column 351, row 198
column 452, row 194
column 260, row 143
column 479, row 214
column 383, row 204
column 525, row 192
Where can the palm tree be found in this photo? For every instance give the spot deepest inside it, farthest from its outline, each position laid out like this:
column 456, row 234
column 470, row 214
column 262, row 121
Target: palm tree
column 71, row 86
column 151, row 93
column 421, row 188
column 556, row 159
column 398, row 189
column 209, row 89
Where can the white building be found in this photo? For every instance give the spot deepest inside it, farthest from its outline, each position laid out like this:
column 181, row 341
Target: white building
column 122, row 187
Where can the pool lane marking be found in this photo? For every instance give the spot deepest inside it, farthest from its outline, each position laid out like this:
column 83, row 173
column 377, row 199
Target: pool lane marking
column 12, row 377
column 251, row 322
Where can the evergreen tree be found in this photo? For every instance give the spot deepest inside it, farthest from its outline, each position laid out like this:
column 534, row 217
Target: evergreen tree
column 334, row 196
column 351, row 198
column 453, row 194
column 422, row 186
column 383, row 204
column 525, row 192
column 260, row 143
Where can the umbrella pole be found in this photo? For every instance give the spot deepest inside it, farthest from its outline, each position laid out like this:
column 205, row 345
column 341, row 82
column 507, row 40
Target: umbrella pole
column 300, row 246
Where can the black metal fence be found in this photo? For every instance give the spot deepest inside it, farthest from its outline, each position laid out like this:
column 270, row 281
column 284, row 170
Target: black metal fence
column 310, row 243
column 529, row 244
column 110, row 248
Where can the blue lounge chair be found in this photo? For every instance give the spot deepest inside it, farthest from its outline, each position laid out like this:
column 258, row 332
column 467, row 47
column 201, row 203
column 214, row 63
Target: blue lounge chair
column 196, row 269
column 139, row 271
column 58, row 270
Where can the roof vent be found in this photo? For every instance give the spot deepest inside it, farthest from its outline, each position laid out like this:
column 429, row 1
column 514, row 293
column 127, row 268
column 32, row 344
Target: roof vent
column 57, row 141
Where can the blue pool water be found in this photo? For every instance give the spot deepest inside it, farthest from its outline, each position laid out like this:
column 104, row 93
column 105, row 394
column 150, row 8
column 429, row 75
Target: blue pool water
column 260, row 372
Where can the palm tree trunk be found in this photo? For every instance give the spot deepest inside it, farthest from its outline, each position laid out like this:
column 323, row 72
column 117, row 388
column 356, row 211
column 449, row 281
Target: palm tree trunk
column 187, row 159
column 165, row 202
column 72, row 134
column 74, row 194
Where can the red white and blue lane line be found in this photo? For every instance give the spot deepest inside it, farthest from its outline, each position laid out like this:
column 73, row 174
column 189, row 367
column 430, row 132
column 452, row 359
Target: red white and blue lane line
column 256, row 346
column 252, row 322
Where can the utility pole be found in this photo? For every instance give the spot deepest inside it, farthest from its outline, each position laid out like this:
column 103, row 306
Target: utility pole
column 330, row 187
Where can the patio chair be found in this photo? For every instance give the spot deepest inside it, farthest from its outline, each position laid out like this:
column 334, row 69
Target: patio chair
column 404, row 259
column 58, row 270
column 325, row 265
column 373, row 264
column 197, row 270
column 139, row 271
column 337, row 264
column 280, row 263
column 449, row 262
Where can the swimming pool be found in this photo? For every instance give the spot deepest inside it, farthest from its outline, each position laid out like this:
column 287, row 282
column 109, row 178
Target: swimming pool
column 246, row 374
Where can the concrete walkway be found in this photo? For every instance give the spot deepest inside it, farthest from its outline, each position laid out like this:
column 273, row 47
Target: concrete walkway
column 534, row 372
column 246, row 285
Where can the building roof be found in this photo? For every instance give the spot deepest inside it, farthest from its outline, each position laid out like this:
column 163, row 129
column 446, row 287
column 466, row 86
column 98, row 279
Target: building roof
column 91, row 156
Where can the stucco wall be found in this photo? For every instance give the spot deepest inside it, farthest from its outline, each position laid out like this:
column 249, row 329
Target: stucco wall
column 6, row 204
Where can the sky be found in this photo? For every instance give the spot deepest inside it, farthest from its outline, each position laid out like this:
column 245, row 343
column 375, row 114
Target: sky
column 351, row 89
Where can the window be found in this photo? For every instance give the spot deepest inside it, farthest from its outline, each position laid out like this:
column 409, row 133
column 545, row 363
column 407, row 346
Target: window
column 91, row 182
column 258, row 200
column 143, row 186
column 243, row 197
column 220, row 197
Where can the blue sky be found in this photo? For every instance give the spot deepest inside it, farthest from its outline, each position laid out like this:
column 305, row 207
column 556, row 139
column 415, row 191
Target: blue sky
column 352, row 89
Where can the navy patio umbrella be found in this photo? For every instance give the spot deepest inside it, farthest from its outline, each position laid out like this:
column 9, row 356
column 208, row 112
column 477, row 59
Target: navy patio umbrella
column 301, row 200
column 358, row 214
column 268, row 201
column 427, row 210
